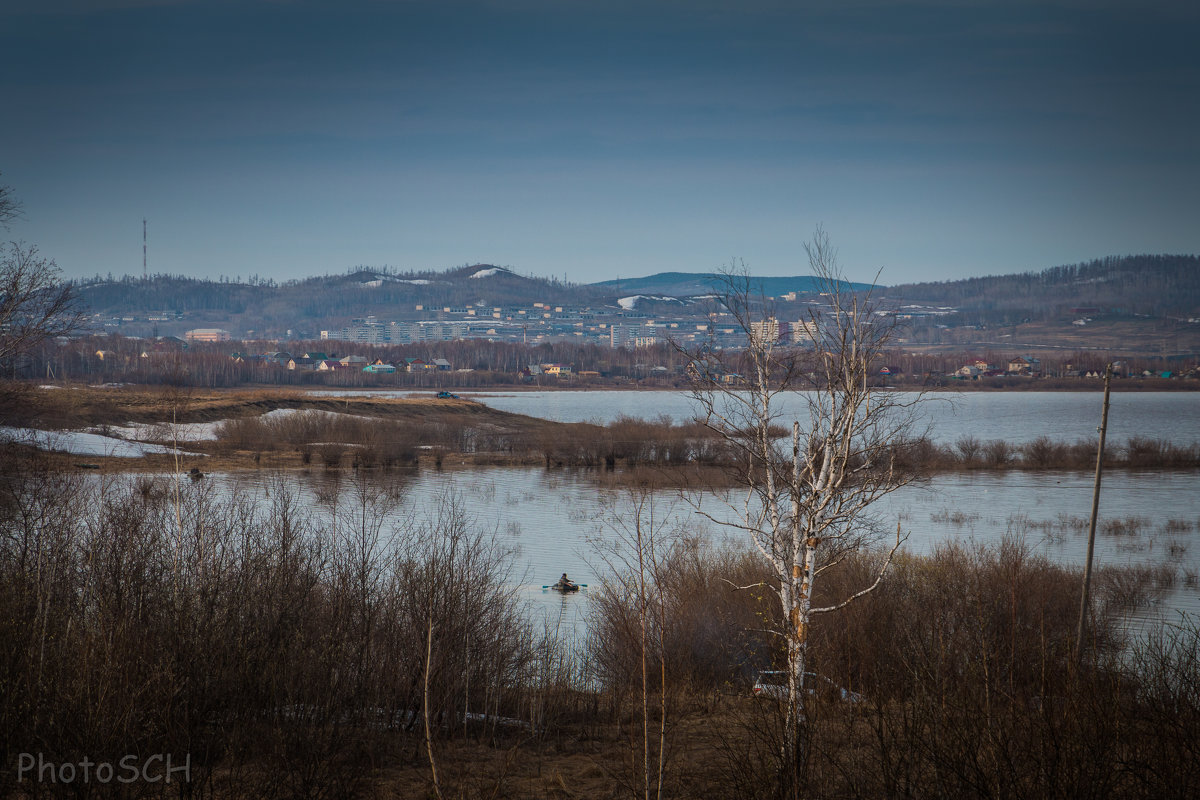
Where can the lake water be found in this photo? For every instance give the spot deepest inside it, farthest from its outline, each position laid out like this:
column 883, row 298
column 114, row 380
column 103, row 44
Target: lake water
column 1016, row 417
column 559, row 521
column 554, row 518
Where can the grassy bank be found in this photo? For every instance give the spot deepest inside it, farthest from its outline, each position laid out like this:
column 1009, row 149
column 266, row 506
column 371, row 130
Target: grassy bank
column 384, row 433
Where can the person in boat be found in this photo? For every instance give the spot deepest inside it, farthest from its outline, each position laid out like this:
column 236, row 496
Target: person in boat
column 565, row 584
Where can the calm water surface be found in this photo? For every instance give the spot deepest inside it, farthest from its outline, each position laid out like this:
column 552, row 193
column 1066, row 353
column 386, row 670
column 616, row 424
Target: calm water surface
column 558, row 521
column 1013, row 416
column 555, row 519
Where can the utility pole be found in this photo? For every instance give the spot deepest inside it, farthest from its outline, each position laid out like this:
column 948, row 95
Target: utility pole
column 144, row 275
column 1087, row 569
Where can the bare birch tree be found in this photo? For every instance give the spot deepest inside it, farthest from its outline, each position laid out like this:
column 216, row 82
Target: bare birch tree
column 808, row 506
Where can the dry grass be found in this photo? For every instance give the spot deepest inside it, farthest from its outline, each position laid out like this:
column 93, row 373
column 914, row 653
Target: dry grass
column 376, row 431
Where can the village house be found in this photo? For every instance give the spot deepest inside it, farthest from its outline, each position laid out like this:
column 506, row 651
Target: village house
column 1025, row 365
column 207, row 335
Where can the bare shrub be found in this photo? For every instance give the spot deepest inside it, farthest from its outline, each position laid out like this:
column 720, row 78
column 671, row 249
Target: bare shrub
column 969, row 450
column 1124, row 526
column 713, row 636
column 1042, row 453
column 1164, row 732
column 1178, row 526
column 958, row 518
column 1135, row 585
column 1145, row 453
column 922, row 454
column 997, row 453
column 331, row 454
column 276, row 649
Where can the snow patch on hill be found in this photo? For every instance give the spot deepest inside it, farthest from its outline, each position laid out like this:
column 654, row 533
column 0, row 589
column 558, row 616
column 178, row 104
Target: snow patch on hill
column 490, row 272
column 628, row 303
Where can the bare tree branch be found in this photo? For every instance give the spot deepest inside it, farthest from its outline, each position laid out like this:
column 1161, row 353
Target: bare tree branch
column 34, row 305
column 808, row 506
column 10, row 209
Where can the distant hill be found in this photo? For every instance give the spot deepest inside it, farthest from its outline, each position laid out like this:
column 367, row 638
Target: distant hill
column 1113, row 301
column 327, row 300
column 1129, row 304
column 697, row 284
column 1144, row 284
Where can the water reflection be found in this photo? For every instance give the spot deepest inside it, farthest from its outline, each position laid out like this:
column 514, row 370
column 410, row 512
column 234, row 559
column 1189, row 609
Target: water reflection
column 559, row 521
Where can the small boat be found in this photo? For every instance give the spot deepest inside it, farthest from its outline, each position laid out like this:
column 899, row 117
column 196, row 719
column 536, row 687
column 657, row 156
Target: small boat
column 565, row 585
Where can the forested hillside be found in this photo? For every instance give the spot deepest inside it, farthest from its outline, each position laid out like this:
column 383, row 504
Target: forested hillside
column 328, row 298
column 1146, row 302
column 1156, row 285
column 688, row 284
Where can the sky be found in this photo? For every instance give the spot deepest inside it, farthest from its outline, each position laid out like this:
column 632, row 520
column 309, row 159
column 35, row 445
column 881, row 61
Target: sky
column 592, row 140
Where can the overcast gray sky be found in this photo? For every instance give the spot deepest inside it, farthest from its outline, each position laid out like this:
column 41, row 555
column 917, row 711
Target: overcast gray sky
column 934, row 140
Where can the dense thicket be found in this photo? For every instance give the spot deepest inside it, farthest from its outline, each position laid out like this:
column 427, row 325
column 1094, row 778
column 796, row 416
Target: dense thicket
column 283, row 649
column 955, row 678
column 309, row 650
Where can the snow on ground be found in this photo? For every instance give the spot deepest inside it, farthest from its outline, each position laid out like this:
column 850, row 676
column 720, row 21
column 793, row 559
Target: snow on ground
column 414, row 281
column 487, row 273
column 84, row 444
column 134, row 440
column 165, row 431
column 628, row 303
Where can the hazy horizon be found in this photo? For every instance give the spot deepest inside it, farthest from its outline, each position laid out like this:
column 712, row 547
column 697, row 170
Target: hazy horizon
column 933, row 140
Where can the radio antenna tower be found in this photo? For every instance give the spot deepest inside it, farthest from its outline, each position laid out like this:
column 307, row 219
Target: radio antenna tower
column 145, row 276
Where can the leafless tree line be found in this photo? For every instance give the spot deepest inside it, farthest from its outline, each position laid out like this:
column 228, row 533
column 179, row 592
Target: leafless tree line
column 307, row 651
column 955, row 678
column 339, row 439
column 289, row 653
column 969, row 452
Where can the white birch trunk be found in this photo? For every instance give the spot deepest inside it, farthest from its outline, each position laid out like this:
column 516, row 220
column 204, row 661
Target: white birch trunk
column 839, row 465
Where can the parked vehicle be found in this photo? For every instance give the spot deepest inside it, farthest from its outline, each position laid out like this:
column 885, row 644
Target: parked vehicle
column 444, row 395
column 774, row 684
